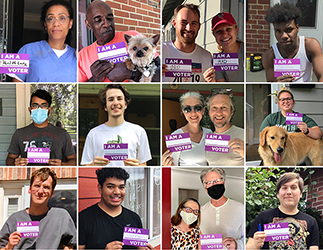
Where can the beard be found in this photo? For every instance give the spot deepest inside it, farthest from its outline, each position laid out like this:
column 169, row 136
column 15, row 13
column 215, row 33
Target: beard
column 224, row 123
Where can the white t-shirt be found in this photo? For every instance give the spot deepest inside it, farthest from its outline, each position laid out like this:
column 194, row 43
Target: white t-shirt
column 195, row 156
column 133, row 134
column 201, row 61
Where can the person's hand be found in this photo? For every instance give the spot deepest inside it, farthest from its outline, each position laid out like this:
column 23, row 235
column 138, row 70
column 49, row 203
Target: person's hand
column 21, row 161
column 99, row 69
column 55, row 162
column 119, row 73
column 167, row 160
column 229, row 243
column 237, row 145
column 164, row 69
column 14, row 239
column 148, row 246
column 100, row 161
column 131, row 162
column 259, row 239
column 209, row 75
column 302, row 126
column 114, row 245
column 285, row 78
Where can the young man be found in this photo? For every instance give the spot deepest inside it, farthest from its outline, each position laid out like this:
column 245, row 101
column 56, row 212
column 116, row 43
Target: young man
column 290, row 45
column 101, row 225
column 303, row 228
column 41, row 134
column 114, row 100
column 221, row 108
column 56, row 227
column 187, row 25
column 221, row 215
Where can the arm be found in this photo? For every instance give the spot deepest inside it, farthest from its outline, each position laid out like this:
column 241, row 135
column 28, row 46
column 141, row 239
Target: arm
column 99, row 70
column 99, row 161
column 257, row 241
column 314, row 54
column 13, row 241
column 121, row 73
column 237, row 145
column 167, row 160
column 209, row 75
column 71, row 160
column 314, row 132
column 15, row 160
column 16, row 80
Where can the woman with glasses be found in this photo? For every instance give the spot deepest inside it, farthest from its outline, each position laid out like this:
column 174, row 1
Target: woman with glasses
column 193, row 108
column 286, row 102
column 51, row 60
column 185, row 232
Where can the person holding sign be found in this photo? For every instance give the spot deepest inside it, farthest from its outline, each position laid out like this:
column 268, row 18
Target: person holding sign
column 39, row 226
column 102, row 225
column 221, row 215
column 221, row 106
column 303, row 228
column 291, row 46
column 305, row 125
column 41, row 142
column 229, row 63
column 116, row 142
column 185, row 232
column 51, row 60
column 193, row 108
column 183, row 59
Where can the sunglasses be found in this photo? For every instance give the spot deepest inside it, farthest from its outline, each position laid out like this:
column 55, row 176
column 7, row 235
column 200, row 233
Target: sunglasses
column 197, row 108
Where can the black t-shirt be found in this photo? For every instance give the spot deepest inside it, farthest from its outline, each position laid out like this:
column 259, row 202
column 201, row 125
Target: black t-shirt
column 303, row 229
column 97, row 228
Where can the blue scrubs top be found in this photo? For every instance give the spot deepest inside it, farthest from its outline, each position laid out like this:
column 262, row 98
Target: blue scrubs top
column 45, row 66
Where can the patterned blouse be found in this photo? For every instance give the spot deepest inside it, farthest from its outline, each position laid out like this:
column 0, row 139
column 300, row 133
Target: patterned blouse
column 188, row 240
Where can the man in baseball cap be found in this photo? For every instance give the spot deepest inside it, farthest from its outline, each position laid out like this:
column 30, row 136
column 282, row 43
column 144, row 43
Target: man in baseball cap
column 225, row 30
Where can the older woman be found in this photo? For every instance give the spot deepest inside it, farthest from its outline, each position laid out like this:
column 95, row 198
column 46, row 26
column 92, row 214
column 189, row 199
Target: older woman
column 185, row 232
column 51, row 60
column 193, row 108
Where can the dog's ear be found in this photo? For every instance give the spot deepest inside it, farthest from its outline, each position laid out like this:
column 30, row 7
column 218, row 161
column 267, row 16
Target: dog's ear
column 156, row 39
column 127, row 38
column 262, row 136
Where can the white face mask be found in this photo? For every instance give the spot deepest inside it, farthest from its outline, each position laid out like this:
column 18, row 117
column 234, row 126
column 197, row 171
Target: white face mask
column 188, row 218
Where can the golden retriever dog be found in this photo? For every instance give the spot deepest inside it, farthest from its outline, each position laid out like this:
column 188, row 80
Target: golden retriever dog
column 277, row 147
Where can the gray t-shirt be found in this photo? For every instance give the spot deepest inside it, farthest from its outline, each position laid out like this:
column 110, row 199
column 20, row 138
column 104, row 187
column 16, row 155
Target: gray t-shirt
column 56, row 228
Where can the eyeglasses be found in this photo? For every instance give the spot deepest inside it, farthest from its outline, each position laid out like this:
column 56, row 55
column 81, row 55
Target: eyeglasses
column 221, row 91
column 61, row 19
column 197, row 108
column 190, row 210
column 36, row 106
column 285, row 99
column 210, row 183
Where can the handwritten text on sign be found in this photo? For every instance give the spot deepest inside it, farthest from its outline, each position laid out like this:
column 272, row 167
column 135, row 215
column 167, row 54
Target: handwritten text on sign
column 178, row 67
column 217, row 143
column 115, row 53
column 14, row 63
column 293, row 118
column 211, row 241
column 226, row 61
column 28, row 229
column 178, row 142
column 276, row 231
column 38, row 155
column 135, row 236
column 287, row 67
column 116, row 152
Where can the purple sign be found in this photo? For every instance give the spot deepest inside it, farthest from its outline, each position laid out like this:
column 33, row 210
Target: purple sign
column 28, row 229
column 211, row 241
column 116, row 152
column 115, row 53
column 12, row 63
column 178, row 142
column 217, row 143
column 135, row 236
column 277, row 231
column 293, row 118
column 226, row 61
column 287, row 67
column 38, row 155
column 178, row 67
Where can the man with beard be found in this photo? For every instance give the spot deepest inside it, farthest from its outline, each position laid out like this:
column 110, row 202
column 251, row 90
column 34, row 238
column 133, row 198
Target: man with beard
column 221, row 215
column 290, row 45
column 221, row 108
column 187, row 24
column 114, row 100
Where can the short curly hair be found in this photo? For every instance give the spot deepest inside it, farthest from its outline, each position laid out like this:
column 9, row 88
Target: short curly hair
column 281, row 13
column 104, row 173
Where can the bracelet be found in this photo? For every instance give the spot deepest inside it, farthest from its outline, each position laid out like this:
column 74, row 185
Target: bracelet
column 306, row 133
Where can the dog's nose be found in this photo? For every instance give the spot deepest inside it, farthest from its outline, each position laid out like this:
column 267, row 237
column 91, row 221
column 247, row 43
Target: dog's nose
column 139, row 53
column 280, row 150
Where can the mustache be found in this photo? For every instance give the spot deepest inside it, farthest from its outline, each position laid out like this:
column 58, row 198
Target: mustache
column 107, row 30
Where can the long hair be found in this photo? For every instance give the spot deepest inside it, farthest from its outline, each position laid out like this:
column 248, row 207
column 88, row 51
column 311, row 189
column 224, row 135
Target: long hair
column 176, row 219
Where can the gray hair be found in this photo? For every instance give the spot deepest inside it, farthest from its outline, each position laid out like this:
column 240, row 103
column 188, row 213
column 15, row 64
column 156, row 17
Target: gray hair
column 221, row 92
column 195, row 94
column 220, row 171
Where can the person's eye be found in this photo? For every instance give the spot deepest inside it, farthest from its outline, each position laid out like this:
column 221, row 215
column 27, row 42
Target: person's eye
column 110, row 187
column 62, row 18
column 98, row 20
column 50, row 19
column 122, row 188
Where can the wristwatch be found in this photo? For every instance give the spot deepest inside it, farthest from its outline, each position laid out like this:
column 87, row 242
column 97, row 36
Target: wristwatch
column 306, row 133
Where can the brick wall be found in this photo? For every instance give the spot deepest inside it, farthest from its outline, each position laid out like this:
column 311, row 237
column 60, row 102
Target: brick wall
column 23, row 173
column 317, row 201
column 257, row 29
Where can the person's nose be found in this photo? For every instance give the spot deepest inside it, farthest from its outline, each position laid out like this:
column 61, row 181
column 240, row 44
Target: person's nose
column 106, row 22
column 188, row 27
column 284, row 35
column 117, row 190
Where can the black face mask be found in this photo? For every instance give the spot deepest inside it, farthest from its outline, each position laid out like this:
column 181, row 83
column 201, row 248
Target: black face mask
column 216, row 191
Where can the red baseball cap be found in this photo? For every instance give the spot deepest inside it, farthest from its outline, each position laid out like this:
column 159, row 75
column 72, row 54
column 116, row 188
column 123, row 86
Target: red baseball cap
column 223, row 17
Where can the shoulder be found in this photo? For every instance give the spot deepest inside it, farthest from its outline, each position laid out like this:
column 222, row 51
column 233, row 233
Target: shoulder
column 310, row 42
column 59, row 212
column 237, row 129
column 199, row 49
column 87, row 49
column 307, row 217
column 89, row 211
column 237, row 204
column 206, row 130
column 268, row 57
column 134, row 127
column 128, row 212
column 178, row 131
column 97, row 129
column 206, row 206
column 30, row 46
